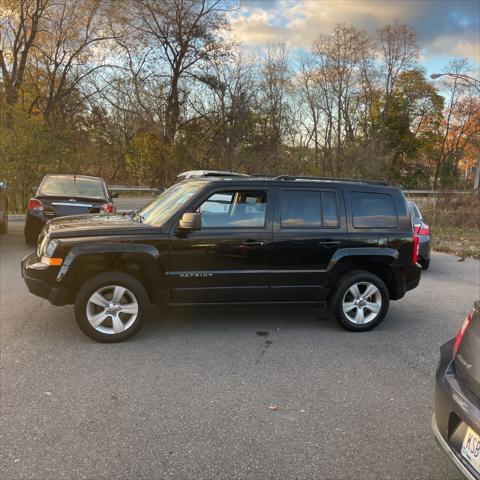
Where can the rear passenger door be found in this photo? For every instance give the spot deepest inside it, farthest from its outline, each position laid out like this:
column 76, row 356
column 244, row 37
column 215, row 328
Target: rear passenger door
column 309, row 227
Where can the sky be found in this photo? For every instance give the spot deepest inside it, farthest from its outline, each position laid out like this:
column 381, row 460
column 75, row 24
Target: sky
column 445, row 28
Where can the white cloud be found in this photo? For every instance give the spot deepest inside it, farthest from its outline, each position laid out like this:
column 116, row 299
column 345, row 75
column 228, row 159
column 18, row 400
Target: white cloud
column 444, row 28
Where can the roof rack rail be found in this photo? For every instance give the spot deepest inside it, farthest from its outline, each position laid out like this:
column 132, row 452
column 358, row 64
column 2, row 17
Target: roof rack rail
column 333, row 179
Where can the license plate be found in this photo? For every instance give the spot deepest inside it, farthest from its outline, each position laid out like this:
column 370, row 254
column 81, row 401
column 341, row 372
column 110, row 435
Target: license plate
column 471, row 448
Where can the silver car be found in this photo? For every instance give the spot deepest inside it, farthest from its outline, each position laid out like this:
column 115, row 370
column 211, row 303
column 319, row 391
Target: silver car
column 423, row 232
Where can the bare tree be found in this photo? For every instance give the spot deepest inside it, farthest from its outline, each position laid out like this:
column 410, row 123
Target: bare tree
column 71, row 49
column 184, row 34
column 19, row 27
column 460, row 126
column 227, row 111
column 340, row 57
column 273, row 108
column 398, row 47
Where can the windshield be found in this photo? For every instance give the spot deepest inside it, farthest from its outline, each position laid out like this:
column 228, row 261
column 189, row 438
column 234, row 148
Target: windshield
column 72, row 187
column 171, row 200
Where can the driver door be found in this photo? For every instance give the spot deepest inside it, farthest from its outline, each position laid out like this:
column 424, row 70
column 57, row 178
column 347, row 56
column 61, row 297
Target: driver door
column 228, row 259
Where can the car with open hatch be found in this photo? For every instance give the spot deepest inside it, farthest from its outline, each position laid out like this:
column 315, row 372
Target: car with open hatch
column 348, row 245
column 64, row 195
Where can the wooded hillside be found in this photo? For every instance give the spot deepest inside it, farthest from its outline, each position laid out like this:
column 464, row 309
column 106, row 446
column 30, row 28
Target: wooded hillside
column 138, row 90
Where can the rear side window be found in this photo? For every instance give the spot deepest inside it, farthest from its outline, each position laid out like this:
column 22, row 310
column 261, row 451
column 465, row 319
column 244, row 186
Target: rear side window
column 414, row 211
column 373, row 210
column 309, row 209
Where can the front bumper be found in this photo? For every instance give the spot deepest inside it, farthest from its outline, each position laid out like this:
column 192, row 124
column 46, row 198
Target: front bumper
column 456, row 407
column 40, row 280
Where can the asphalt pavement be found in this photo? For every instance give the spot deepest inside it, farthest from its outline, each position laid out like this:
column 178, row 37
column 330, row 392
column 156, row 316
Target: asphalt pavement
column 189, row 396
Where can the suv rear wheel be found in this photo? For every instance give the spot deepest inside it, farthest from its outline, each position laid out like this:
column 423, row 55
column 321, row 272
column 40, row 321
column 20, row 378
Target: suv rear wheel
column 111, row 307
column 360, row 301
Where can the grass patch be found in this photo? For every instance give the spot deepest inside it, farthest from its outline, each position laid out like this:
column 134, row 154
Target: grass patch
column 461, row 241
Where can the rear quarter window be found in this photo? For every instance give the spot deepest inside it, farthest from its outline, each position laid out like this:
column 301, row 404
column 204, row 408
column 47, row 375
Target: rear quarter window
column 373, row 210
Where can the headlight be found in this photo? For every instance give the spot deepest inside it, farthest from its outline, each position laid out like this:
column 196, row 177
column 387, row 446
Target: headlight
column 50, row 248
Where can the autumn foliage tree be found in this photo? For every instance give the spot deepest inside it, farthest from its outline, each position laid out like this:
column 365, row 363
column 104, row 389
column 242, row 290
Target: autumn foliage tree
column 138, row 90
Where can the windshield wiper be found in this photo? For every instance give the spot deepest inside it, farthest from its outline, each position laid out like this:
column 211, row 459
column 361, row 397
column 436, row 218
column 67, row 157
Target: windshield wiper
column 138, row 218
column 135, row 216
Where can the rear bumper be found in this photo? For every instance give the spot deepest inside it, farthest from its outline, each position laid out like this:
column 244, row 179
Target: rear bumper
column 448, row 451
column 424, row 247
column 406, row 277
column 39, row 279
column 456, row 408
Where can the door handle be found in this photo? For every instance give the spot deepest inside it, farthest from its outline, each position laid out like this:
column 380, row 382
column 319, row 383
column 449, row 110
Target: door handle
column 253, row 243
column 333, row 242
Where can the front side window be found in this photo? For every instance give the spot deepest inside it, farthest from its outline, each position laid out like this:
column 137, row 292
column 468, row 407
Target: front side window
column 233, row 209
column 309, row 209
column 373, row 210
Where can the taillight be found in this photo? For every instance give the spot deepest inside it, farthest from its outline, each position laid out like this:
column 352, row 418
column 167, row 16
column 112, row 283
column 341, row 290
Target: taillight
column 415, row 247
column 423, row 229
column 461, row 332
column 35, row 204
column 107, row 208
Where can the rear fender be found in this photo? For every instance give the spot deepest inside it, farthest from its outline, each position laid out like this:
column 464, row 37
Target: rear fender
column 382, row 255
column 377, row 260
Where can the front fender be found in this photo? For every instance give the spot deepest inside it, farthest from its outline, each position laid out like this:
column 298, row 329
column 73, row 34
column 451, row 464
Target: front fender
column 115, row 256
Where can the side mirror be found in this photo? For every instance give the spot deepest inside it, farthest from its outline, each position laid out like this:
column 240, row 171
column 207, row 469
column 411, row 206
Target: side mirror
column 113, row 194
column 191, row 221
column 159, row 190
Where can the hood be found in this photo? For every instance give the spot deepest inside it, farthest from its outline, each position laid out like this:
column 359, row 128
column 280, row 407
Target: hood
column 95, row 225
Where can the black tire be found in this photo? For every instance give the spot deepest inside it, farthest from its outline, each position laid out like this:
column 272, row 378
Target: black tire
column 4, row 224
column 425, row 264
column 103, row 280
column 30, row 238
column 340, row 291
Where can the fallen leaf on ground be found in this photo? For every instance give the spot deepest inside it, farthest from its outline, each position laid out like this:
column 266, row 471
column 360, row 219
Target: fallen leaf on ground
column 47, row 393
column 272, row 407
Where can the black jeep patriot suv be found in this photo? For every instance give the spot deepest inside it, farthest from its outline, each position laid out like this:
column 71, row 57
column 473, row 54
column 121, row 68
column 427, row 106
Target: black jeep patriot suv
column 230, row 241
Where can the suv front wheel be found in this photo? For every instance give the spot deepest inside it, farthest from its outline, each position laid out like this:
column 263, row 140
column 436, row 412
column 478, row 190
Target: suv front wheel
column 360, row 301
column 111, row 307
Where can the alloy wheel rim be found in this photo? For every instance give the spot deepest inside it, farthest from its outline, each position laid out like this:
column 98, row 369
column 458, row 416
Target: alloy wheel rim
column 362, row 303
column 112, row 309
